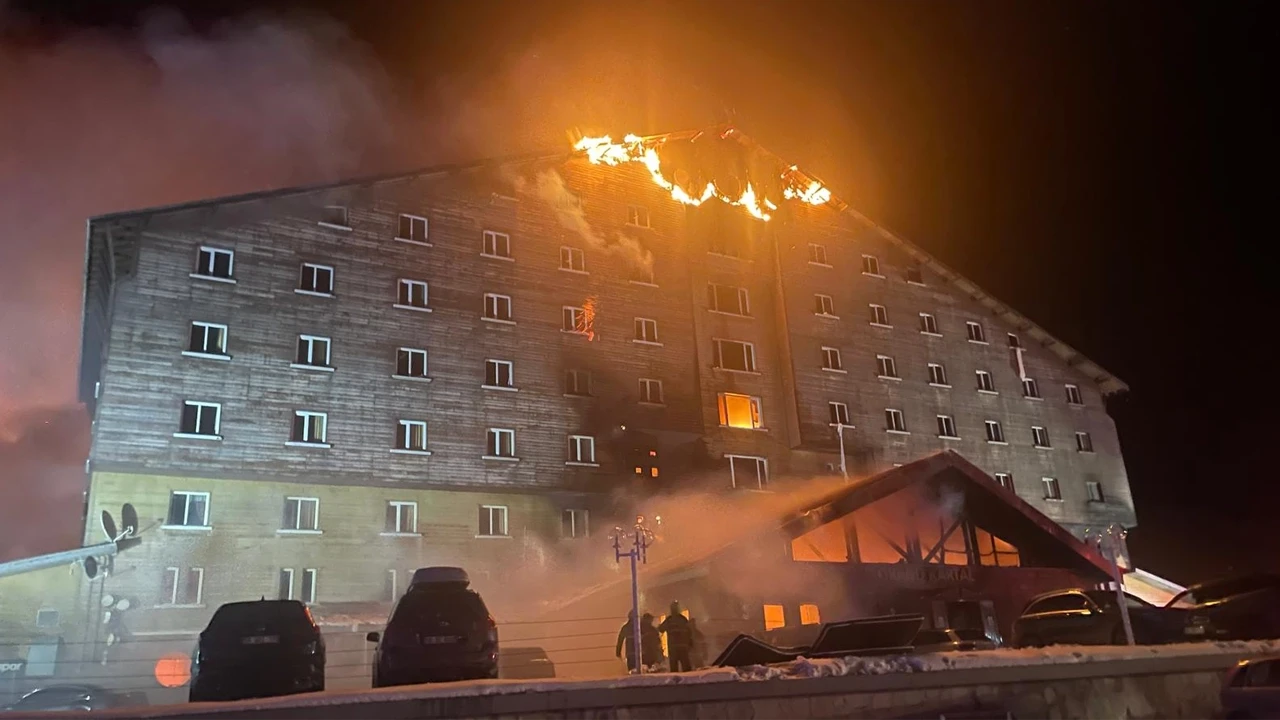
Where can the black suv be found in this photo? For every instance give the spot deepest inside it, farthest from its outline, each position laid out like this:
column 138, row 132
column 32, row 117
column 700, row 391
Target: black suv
column 258, row 649
column 439, row 631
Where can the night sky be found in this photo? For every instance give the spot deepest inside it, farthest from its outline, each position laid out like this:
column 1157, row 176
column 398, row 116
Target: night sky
column 1105, row 168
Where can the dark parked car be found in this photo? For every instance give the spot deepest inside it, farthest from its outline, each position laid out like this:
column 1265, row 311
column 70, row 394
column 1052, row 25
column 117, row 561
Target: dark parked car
column 1092, row 617
column 951, row 640
column 66, row 698
column 439, row 631
column 258, row 649
column 1244, row 608
column 1252, row 690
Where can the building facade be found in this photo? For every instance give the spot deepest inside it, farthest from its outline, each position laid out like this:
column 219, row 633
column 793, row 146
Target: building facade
column 308, row 393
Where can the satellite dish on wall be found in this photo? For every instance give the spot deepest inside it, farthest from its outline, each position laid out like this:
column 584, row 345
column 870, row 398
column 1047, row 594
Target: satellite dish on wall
column 129, row 517
column 91, row 567
column 109, row 526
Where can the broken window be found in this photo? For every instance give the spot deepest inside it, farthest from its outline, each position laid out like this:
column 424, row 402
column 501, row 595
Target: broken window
column 734, row 355
column 728, row 299
column 775, row 616
column 739, row 411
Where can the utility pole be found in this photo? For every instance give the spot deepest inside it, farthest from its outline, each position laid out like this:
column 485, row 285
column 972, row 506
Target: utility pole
column 1108, row 544
column 640, row 538
column 844, row 470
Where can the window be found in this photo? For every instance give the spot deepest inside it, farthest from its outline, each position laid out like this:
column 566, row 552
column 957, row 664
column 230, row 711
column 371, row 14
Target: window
column 285, row 584
column 809, row 615
column 188, row 509
column 1084, row 443
column 497, row 244
column 739, row 411
column 728, row 299
column 946, row 426
column 214, row 263
column 309, row 428
column 573, row 259
column 871, row 265
column 1014, row 342
column 734, row 355
column 928, row 324
column 1051, row 489
column 726, row 244
column 47, row 618
column 313, row 351
column 818, row 254
column 642, row 275
column 582, row 449
column 308, row 590
column 995, row 433
column 301, row 513
column 886, row 366
column 335, row 215
column 497, row 308
column 573, row 320
column 577, row 382
column 200, row 419
column 390, row 586
column 938, row 374
column 402, row 518
column 501, row 443
column 824, row 305
column 499, row 373
column 182, row 588
column 315, row 279
column 1004, row 480
column 749, row 473
column 985, row 383
column 915, row 275
column 651, row 391
column 638, row 216
column 1030, row 388
column 645, row 461
column 573, row 523
column 976, row 333
column 1073, row 395
column 839, row 413
column 646, row 331
column 208, row 339
column 775, row 616
column 493, row 521
column 411, row 362
column 893, row 421
column 412, row 294
column 1039, row 436
column 413, row 228
column 411, row 436
column 879, row 315
column 1094, row 490
column 831, row 360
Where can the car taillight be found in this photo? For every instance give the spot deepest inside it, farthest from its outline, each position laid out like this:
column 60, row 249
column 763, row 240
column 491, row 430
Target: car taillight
column 493, row 631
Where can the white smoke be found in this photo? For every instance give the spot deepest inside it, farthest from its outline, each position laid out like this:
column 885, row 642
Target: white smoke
column 550, row 187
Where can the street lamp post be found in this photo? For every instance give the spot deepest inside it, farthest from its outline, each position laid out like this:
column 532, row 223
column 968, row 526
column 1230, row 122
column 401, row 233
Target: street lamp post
column 640, row 537
column 844, row 470
column 1108, row 544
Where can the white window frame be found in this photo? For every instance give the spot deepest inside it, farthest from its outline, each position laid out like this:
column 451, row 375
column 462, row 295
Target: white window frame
column 175, row 573
column 938, row 375
column 895, row 422
column 205, row 327
column 840, row 411
column 1004, row 480
column 636, row 213
column 505, row 516
column 494, row 235
column 404, row 446
column 988, row 387
column 929, row 325
column 411, row 288
column 1093, row 491
column 646, row 395
column 297, row 517
column 749, row 355
column 496, row 445
column 576, row 516
column 642, row 327
column 832, row 360
column 578, row 317
column 1031, row 389
column 393, row 578
column 577, row 259
column 756, row 408
column 186, row 510
column 1037, row 432
column 309, row 598
column 581, row 451
column 346, row 218
column 818, row 255
column 1052, row 489
column 886, row 364
column 314, row 269
column 426, row 230
column 826, row 306
column 1014, row 341
column 492, row 301
column 307, row 415
column 1084, row 442
column 581, row 382
column 975, row 332
column 919, row 271
column 1074, row 396
column 871, row 266
column 292, row 576
column 399, row 530
column 498, row 366
column 761, row 463
column 995, row 433
column 204, row 271
column 744, row 300
column 947, row 427
column 879, row 316
column 201, row 408
column 412, row 353
column 310, row 341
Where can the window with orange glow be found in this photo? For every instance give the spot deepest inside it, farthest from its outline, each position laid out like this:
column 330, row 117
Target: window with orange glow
column 739, row 411
column 825, row 543
column 992, row 551
column 809, row 615
column 774, row 617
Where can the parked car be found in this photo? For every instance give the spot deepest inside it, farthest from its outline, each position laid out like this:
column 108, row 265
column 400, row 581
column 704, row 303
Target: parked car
column 1252, row 690
column 951, row 640
column 66, row 698
column 1092, row 617
column 1243, row 608
column 439, row 631
column 261, row 648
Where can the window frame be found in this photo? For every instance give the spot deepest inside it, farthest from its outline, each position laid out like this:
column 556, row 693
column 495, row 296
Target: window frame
column 818, row 255
column 886, row 362
column 205, row 327
column 306, row 416
column 748, row 355
column 641, row 326
column 412, row 284
column 575, row 455
column 426, row 230
column 825, row 306
column 405, row 434
column 938, row 375
column 172, row 576
column 346, row 217
column 1075, row 398
column 410, row 353
column 310, row 341
column 838, row 414
column 496, row 446
column 297, row 528
column 742, row 294
column 571, row 253
column 635, row 213
column 494, row 301
column 1037, row 431
column 214, row 252
column 495, row 236
column 919, row 271
column 573, row 514
column 947, row 427
column 311, row 577
column 580, row 385
column 754, row 408
column 996, row 437
column 186, row 510
column 871, row 266
column 828, row 354
column 195, row 433
column 1052, row 489
column 506, row 522
column 652, row 382
column 315, row 270
column 879, row 316
column 280, row 583
column 499, row 364
column 1031, row 389
column 989, row 387
column 1093, row 492
column 975, row 333
column 895, row 422
column 1003, row 479
column 398, row 506
column 762, row 482
column 1084, row 442
column 929, row 325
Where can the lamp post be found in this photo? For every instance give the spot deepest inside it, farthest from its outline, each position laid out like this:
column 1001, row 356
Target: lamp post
column 1108, row 544
column 640, row 538
column 844, row 470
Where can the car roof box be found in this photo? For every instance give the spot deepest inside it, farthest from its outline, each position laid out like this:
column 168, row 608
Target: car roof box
column 438, row 575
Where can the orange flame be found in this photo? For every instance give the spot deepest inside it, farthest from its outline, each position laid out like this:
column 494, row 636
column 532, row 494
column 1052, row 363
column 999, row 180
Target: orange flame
column 587, row 323
column 633, row 148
